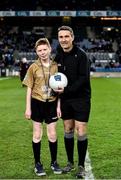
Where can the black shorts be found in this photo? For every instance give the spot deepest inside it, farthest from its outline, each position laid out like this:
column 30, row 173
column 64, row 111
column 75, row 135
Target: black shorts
column 76, row 109
column 43, row 111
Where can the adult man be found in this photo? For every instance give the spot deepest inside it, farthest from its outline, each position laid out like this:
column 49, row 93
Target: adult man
column 75, row 98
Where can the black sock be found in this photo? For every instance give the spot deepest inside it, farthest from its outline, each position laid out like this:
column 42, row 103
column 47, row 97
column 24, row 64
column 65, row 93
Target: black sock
column 36, row 151
column 53, row 151
column 82, row 148
column 69, row 146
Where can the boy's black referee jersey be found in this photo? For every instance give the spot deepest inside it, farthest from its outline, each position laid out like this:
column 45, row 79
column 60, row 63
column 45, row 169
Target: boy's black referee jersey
column 76, row 66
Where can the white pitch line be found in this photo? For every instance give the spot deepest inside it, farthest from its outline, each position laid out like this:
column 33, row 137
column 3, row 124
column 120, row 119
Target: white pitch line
column 4, row 78
column 88, row 168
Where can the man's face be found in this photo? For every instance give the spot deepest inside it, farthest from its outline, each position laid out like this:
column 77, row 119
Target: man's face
column 65, row 39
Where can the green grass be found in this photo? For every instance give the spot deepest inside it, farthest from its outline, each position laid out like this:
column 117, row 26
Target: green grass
column 105, row 128
column 16, row 157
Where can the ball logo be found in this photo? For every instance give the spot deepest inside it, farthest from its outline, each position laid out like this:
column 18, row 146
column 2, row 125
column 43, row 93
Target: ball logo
column 57, row 77
column 58, row 80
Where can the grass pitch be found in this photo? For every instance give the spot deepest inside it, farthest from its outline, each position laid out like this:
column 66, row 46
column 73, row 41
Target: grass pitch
column 16, row 157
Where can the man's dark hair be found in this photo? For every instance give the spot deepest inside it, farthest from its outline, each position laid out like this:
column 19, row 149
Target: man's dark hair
column 66, row 28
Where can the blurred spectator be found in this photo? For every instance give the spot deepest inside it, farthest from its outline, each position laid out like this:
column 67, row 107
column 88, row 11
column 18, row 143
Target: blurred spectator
column 23, row 68
column 2, row 68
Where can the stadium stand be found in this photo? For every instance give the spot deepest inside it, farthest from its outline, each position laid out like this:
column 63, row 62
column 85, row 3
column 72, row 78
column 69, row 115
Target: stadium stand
column 61, row 5
column 100, row 39
column 16, row 43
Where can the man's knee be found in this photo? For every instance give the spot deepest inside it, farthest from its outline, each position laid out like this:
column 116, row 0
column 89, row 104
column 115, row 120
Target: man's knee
column 81, row 128
column 69, row 126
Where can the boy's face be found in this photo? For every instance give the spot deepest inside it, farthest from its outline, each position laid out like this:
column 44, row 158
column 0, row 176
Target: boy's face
column 43, row 51
column 65, row 39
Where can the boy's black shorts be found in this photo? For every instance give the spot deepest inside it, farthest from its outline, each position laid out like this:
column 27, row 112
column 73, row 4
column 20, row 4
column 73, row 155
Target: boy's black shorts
column 76, row 109
column 43, row 111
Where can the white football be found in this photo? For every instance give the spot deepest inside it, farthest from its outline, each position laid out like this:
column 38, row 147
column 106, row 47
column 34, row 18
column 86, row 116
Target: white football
column 58, row 80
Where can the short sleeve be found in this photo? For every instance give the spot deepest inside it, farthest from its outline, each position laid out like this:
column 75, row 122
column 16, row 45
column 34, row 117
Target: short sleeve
column 29, row 77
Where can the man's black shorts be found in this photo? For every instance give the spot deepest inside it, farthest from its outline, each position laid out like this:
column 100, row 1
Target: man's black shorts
column 76, row 109
column 43, row 111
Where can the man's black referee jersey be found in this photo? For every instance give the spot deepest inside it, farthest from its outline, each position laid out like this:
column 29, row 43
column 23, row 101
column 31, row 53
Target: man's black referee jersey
column 76, row 66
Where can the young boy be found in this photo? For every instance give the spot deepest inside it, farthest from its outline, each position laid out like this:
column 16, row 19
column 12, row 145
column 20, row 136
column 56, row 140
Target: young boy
column 41, row 104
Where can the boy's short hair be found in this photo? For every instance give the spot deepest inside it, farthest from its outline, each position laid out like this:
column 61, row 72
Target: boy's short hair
column 66, row 28
column 42, row 41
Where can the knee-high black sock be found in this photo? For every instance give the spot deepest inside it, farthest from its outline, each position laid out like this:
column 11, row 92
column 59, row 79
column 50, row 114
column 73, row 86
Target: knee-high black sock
column 82, row 148
column 53, row 151
column 36, row 151
column 69, row 146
